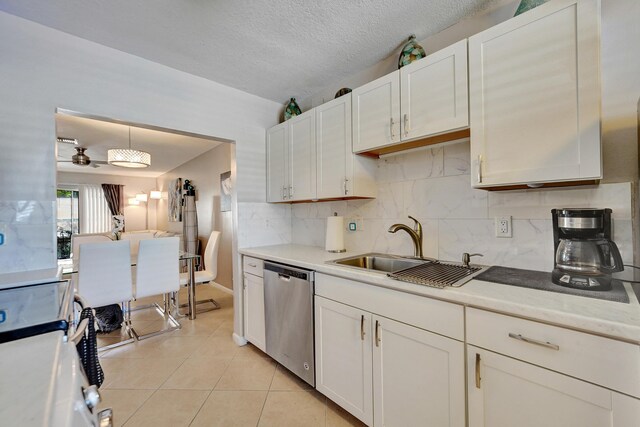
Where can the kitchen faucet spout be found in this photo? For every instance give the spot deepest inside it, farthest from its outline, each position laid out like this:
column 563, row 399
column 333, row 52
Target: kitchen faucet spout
column 415, row 234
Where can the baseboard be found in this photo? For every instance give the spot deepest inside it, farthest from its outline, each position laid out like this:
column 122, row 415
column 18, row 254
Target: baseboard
column 221, row 287
column 239, row 340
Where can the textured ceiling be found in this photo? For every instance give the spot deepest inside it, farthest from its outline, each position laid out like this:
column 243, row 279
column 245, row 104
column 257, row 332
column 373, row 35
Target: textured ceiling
column 168, row 150
column 271, row 48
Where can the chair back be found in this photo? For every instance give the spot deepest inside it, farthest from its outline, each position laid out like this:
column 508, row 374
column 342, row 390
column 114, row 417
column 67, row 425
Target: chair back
column 136, row 238
column 104, row 273
column 211, row 254
column 157, row 269
column 78, row 239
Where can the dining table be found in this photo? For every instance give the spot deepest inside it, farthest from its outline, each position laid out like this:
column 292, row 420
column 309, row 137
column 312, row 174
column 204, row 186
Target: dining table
column 70, row 267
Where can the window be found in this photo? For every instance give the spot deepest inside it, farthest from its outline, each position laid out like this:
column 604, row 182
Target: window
column 68, row 220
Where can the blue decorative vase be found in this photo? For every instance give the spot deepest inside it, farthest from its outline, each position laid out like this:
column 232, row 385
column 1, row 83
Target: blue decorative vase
column 411, row 51
column 292, row 109
column 527, row 5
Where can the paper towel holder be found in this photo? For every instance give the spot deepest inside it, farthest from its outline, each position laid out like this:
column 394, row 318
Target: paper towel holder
column 334, row 250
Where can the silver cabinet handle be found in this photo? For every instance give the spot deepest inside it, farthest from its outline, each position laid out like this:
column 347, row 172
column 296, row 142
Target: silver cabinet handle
column 290, row 192
column 391, row 127
column 253, row 265
column 406, row 125
column 479, row 168
column 478, row 378
column 362, row 327
column 346, row 190
column 284, row 192
column 377, row 334
column 545, row 344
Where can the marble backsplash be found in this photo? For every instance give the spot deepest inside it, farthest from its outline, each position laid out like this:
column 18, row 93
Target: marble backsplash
column 433, row 185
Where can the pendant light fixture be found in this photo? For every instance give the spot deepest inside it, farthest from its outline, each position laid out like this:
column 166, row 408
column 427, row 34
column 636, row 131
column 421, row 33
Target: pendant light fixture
column 127, row 157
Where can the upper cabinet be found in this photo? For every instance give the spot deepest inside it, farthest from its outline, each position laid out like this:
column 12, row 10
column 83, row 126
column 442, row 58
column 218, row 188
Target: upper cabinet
column 340, row 173
column 309, row 157
column 423, row 99
column 291, row 160
column 535, row 97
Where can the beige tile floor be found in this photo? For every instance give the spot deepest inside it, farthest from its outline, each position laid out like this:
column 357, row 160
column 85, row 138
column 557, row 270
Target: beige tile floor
column 197, row 376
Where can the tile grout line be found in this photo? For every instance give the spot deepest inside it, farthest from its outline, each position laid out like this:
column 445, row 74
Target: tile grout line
column 267, row 395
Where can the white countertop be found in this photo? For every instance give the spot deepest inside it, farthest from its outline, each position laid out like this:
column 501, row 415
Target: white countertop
column 611, row 319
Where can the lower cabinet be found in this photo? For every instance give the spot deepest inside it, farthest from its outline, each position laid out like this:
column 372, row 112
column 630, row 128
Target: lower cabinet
column 505, row 392
column 387, row 373
column 254, row 324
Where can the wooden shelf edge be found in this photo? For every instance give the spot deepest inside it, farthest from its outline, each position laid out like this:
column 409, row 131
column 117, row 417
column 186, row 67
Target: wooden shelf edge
column 335, row 199
column 430, row 140
column 544, row 185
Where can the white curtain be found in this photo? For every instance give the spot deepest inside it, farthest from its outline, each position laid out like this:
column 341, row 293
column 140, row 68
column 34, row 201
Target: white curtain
column 95, row 216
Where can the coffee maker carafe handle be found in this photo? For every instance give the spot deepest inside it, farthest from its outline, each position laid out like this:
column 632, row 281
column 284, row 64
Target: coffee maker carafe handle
column 607, row 250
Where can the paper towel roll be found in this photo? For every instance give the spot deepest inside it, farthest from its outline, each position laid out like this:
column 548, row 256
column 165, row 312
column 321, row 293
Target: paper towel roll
column 334, row 241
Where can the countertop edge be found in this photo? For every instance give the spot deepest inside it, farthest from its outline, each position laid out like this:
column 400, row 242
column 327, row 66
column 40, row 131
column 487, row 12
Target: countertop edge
column 573, row 312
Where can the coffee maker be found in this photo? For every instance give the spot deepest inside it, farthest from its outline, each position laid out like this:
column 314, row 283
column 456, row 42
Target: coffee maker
column 585, row 255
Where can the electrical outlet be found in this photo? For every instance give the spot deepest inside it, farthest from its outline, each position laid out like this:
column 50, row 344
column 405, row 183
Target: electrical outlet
column 503, row 226
column 354, row 224
column 3, row 234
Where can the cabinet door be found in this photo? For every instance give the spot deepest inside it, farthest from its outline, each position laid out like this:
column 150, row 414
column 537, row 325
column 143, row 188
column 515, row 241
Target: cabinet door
column 434, row 96
column 302, row 157
column 343, row 357
column 254, row 325
column 505, row 392
column 277, row 185
column 376, row 113
column 418, row 377
column 333, row 147
column 535, row 96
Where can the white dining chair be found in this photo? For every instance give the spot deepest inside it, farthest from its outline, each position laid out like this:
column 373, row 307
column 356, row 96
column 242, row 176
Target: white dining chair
column 78, row 239
column 209, row 272
column 157, row 273
column 135, row 239
column 104, row 278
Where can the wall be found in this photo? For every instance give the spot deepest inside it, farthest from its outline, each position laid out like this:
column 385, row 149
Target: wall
column 204, row 172
column 136, row 218
column 433, row 185
column 43, row 69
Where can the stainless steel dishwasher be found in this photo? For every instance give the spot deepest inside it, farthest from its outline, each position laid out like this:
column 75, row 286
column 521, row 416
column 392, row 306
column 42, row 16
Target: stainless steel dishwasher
column 288, row 312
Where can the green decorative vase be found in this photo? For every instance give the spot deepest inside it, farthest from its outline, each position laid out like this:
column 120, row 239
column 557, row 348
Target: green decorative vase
column 411, row 51
column 527, row 5
column 292, row 109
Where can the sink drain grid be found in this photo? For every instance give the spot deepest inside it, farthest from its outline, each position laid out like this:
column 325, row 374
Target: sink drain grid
column 436, row 274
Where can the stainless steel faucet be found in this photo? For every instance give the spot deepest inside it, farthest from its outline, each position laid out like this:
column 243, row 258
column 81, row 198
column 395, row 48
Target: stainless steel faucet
column 415, row 233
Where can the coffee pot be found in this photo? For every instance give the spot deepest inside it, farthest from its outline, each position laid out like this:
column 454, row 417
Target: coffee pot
column 585, row 255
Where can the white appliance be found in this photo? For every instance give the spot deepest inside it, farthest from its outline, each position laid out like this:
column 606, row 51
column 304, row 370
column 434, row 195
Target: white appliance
column 41, row 376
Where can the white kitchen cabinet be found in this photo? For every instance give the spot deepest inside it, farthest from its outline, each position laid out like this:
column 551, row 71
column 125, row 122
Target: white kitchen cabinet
column 343, row 357
column 340, row 173
column 534, row 88
column 418, row 377
column 277, row 163
column 376, row 113
column 254, row 321
column 505, row 392
column 434, row 93
column 291, row 159
column 385, row 372
column 302, row 157
column 425, row 98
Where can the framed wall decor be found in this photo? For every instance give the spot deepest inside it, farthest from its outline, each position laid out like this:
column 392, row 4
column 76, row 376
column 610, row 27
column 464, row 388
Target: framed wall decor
column 175, row 200
column 225, row 191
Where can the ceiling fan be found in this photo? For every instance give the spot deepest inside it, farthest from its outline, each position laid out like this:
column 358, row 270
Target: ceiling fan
column 81, row 159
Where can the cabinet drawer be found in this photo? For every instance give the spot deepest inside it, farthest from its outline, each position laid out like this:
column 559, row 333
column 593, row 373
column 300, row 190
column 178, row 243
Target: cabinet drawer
column 441, row 317
column 252, row 266
column 603, row 361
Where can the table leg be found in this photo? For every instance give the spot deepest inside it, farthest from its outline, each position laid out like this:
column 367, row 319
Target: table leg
column 192, row 289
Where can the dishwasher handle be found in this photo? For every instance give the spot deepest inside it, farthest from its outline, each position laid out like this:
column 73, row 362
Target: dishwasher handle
column 284, row 277
column 287, row 272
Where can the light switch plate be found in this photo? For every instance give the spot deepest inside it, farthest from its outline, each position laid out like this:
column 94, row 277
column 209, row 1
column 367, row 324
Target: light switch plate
column 3, row 234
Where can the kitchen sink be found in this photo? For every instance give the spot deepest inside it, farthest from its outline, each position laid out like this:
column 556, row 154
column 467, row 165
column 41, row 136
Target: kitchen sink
column 379, row 262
